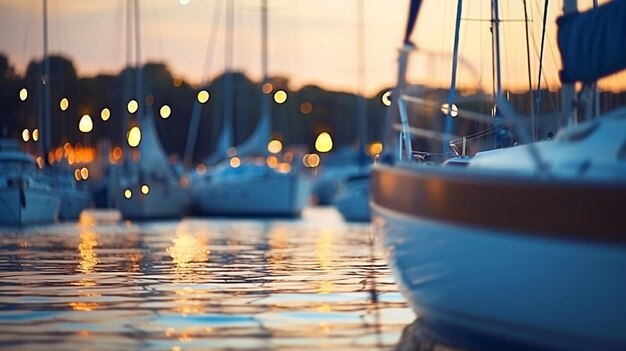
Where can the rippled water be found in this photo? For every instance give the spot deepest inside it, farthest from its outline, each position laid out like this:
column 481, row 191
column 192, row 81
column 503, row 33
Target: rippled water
column 199, row 283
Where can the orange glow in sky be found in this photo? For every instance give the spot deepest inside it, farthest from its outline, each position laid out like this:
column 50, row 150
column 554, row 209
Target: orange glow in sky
column 311, row 42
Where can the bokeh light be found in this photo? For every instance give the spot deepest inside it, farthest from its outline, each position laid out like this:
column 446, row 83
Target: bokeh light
column 134, row 136
column 132, row 106
column 85, row 124
column 324, row 142
column 105, row 114
column 165, row 111
column 280, row 96
column 203, row 96
column 64, row 104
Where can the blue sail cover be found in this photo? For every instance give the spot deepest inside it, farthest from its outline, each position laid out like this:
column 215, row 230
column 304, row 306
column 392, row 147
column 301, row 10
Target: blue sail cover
column 593, row 43
column 413, row 11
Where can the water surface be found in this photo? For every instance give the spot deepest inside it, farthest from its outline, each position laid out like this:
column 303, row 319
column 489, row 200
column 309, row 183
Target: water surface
column 198, row 283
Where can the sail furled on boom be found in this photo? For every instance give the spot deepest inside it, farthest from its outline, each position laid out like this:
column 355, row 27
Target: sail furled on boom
column 413, row 11
column 592, row 42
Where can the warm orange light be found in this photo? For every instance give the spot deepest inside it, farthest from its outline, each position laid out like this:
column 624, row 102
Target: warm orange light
column 201, row 169
column 128, row 193
column 272, row 161
column 306, row 108
column 311, row 160
column 25, row 135
column 177, row 82
column 283, row 167
column 117, row 153
column 375, row 148
column 267, row 88
column 39, row 162
column 77, row 174
column 35, row 134
column 145, row 189
column 235, row 162
column 84, row 173
column 274, row 146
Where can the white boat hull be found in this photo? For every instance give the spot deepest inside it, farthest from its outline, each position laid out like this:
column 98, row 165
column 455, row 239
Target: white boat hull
column 547, row 292
column 73, row 202
column 353, row 203
column 275, row 195
column 162, row 201
column 35, row 206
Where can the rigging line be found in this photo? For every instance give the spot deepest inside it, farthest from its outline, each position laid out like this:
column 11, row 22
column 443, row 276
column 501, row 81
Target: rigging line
column 488, row 20
column 156, row 27
column 536, row 52
column 213, row 32
column 530, row 82
column 543, row 37
column 445, row 20
column 117, row 32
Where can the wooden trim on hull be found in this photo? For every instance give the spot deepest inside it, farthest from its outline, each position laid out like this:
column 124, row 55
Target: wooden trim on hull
column 573, row 209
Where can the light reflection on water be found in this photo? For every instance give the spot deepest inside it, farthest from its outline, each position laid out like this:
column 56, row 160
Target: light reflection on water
column 314, row 283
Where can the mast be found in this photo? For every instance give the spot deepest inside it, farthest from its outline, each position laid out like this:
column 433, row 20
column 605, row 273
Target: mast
column 45, row 123
column 495, row 19
column 361, row 102
column 266, row 111
column 138, row 68
column 452, row 90
column 530, row 81
column 568, row 92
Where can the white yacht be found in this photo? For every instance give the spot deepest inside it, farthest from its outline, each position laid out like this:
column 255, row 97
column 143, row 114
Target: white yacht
column 26, row 195
column 522, row 244
column 149, row 189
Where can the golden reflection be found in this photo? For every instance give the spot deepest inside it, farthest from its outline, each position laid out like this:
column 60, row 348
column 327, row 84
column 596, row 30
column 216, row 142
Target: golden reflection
column 277, row 246
column 323, row 252
column 375, row 148
column 35, row 134
column 87, row 261
column 189, row 251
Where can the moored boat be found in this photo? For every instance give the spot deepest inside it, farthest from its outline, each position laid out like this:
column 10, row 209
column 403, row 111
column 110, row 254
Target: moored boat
column 524, row 243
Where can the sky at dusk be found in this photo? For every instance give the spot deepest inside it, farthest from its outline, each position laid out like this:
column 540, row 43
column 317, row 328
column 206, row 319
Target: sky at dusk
column 311, row 42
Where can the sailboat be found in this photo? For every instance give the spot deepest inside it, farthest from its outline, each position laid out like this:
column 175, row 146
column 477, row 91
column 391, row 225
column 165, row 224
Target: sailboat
column 148, row 189
column 26, row 194
column 241, row 185
column 352, row 198
column 521, row 244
